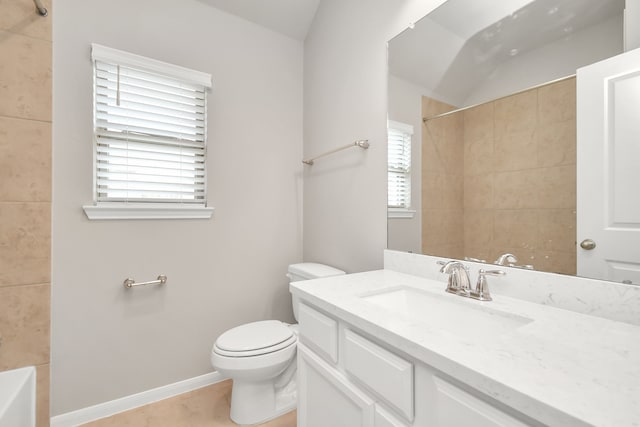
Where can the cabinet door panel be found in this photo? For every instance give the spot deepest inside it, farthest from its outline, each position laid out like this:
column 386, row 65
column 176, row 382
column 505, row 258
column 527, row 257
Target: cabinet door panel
column 327, row 398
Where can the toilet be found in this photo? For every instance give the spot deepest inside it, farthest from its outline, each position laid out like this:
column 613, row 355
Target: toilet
column 260, row 359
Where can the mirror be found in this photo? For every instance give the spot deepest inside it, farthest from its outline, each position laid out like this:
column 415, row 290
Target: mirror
column 488, row 89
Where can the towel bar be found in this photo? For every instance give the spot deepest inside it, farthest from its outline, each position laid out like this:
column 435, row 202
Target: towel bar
column 130, row 283
column 362, row 143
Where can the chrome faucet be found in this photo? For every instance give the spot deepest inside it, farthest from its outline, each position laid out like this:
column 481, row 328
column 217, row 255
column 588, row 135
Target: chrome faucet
column 459, row 282
column 506, row 258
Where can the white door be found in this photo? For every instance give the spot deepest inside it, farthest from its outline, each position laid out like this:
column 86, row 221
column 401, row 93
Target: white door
column 608, row 131
column 326, row 398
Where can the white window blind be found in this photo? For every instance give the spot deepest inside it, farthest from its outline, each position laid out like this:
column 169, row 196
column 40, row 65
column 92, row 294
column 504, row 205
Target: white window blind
column 399, row 165
column 150, row 130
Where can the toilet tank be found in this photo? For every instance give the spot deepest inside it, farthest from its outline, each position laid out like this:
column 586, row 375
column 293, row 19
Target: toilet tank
column 308, row 271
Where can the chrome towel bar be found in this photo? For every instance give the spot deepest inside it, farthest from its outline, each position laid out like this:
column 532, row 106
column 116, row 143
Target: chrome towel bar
column 130, row 283
column 362, row 143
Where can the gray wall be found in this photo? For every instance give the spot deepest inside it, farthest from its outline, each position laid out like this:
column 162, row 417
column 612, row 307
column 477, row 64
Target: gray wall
column 108, row 342
column 405, row 106
column 632, row 23
column 345, row 98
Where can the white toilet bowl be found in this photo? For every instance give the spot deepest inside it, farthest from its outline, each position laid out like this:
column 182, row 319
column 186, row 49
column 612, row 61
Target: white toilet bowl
column 260, row 359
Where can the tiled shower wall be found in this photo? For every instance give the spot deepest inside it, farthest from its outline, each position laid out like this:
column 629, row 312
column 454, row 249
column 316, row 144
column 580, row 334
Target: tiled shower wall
column 519, row 185
column 25, row 192
column 442, row 181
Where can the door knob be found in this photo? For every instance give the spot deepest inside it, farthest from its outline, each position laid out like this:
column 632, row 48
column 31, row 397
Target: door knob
column 588, row 244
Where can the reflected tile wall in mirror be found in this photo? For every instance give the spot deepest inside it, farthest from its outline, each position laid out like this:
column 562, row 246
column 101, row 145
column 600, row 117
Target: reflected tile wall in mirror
column 500, row 177
column 442, row 181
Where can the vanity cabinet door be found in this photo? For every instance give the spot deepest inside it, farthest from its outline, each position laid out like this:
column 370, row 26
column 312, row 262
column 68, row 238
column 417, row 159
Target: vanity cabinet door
column 327, row 398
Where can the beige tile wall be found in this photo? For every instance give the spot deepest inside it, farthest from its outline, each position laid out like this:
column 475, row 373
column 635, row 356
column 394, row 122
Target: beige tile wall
column 519, row 185
column 25, row 192
column 442, row 181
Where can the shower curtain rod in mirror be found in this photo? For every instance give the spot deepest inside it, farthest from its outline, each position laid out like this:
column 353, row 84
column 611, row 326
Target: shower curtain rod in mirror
column 457, row 110
column 40, row 8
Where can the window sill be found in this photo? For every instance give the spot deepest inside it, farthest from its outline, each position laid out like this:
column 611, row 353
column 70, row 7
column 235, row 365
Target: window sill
column 144, row 211
column 400, row 213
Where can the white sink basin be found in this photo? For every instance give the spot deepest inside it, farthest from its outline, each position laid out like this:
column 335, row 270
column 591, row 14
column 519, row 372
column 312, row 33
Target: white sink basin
column 460, row 315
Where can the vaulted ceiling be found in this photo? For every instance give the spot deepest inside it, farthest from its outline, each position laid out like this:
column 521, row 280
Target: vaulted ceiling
column 292, row 18
column 462, row 44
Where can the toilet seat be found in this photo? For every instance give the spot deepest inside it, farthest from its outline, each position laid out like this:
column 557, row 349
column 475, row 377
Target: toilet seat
column 254, row 339
column 259, row 352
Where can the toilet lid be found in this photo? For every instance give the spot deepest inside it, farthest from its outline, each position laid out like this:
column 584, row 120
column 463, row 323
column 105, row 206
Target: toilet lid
column 254, row 336
column 284, row 345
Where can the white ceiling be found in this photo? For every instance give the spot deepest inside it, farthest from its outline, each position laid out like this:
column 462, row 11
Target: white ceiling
column 458, row 46
column 292, row 18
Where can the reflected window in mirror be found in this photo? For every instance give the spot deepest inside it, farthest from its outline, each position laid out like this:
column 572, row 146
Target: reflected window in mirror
column 399, row 170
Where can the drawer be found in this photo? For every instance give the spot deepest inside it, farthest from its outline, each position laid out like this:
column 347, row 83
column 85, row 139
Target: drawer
column 388, row 376
column 319, row 332
column 383, row 418
column 456, row 407
column 326, row 398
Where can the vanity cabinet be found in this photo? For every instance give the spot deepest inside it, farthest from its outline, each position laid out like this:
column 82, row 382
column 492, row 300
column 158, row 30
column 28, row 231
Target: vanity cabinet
column 348, row 379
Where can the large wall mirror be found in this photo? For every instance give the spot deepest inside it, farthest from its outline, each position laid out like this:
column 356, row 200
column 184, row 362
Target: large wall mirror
column 486, row 93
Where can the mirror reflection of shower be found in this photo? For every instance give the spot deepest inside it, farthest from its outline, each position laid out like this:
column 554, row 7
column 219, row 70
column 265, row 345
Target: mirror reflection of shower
column 498, row 178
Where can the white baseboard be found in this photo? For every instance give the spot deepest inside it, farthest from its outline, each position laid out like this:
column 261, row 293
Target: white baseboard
column 126, row 403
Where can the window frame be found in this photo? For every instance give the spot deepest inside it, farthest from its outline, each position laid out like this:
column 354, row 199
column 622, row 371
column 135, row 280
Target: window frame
column 401, row 211
column 171, row 209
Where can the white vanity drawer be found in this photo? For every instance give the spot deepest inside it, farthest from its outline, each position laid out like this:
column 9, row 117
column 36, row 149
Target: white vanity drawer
column 385, row 374
column 318, row 331
column 382, row 418
column 326, row 398
column 456, row 407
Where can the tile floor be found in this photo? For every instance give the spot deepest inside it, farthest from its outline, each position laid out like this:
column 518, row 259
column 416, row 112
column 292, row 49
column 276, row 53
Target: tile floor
column 206, row 407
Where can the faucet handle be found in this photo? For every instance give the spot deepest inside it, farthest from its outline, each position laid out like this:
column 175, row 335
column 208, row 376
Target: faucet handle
column 482, row 287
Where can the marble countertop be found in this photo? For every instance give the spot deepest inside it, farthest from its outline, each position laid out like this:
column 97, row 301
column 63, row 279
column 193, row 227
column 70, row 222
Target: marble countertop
column 559, row 367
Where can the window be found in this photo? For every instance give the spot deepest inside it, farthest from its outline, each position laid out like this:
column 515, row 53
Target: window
column 150, row 138
column 399, row 169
